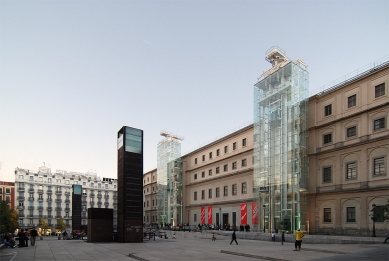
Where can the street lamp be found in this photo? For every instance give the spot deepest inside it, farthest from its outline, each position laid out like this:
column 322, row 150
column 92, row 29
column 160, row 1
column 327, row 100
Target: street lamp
column 188, row 217
column 264, row 206
column 373, row 218
column 220, row 218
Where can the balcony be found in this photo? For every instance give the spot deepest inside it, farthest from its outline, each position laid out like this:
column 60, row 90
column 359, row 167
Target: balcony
column 40, row 191
column 40, row 208
column 57, row 217
column 67, row 209
column 92, row 194
column 58, row 200
column 58, row 209
column 58, row 192
column 21, row 190
column 22, row 215
column 20, row 198
column 31, row 190
column 106, row 203
column 67, row 217
column 49, row 191
column 31, row 207
column 30, row 199
column 30, row 216
column 49, row 208
column 84, row 202
column 67, row 193
column 115, row 196
column 92, row 203
column 40, row 199
column 67, row 200
column 20, row 208
column 115, row 203
column 99, row 203
column 106, row 196
column 49, row 200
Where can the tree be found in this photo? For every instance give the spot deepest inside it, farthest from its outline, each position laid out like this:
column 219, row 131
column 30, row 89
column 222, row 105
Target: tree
column 44, row 225
column 61, row 224
column 8, row 218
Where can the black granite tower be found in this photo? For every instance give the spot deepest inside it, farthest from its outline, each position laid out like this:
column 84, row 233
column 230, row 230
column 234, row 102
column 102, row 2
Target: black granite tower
column 130, row 187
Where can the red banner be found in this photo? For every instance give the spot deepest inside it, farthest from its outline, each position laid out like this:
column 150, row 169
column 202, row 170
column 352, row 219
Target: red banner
column 209, row 214
column 254, row 216
column 243, row 213
column 202, row 215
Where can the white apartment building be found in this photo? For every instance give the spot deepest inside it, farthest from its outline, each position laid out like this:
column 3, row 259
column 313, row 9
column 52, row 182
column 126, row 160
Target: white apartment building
column 45, row 195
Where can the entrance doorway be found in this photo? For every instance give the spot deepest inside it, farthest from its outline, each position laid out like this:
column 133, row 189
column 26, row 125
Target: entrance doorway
column 225, row 220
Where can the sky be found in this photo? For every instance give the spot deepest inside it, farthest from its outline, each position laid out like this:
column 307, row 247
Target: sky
column 72, row 73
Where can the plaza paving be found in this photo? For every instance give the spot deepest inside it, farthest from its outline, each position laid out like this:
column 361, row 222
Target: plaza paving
column 201, row 248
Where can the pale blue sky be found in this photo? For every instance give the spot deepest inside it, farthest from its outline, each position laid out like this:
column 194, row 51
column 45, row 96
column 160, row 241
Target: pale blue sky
column 74, row 72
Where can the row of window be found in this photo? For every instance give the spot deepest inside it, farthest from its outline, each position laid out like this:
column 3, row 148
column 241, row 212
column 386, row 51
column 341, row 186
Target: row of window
column 234, row 191
column 379, row 169
column 234, row 165
column 144, row 191
column 146, row 203
column 379, row 91
column 351, row 214
column 148, row 179
column 234, row 147
column 67, row 182
column 6, row 190
column 378, row 124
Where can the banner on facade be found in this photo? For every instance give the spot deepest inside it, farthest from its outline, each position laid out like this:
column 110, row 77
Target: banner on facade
column 209, row 214
column 202, row 215
column 254, row 210
column 243, row 213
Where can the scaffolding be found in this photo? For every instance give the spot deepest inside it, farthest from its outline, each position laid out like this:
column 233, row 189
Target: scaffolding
column 280, row 144
column 169, row 180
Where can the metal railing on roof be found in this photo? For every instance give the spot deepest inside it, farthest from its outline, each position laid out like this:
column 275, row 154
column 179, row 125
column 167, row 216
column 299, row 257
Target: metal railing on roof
column 361, row 72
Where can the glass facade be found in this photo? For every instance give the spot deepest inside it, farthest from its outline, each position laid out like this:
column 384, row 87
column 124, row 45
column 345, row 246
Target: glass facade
column 280, row 149
column 169, row 182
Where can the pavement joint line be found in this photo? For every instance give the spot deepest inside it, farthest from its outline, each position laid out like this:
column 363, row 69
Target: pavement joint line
column 325, row 251
column 136, row 257
column 253, row 256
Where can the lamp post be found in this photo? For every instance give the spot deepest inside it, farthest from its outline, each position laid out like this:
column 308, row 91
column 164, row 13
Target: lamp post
column 220, row 218
column 188, row 217
column 264, row 206
column 373, row 218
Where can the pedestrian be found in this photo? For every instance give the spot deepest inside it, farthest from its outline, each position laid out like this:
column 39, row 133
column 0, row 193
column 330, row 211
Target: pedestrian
column 282, row 238
column 22, row 238
column 213, row 237
column 33, row 235
column 387, row 237
column 233, row 238
column 299, row 239
column 27, row 237
column 273, row 237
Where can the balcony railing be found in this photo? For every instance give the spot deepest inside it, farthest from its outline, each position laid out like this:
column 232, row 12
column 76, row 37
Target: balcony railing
column 40, row 208
column 67, row 193
column 31, row 190
column 58, row 200
column 20, row 197
column 92, row 194
column 106, row 196
column 67, row 209
column 115, row 196
column 31, row 207
column 57, row 217
column 40, row 199
column 20, row 207
column 21, row 189
column 92, row 203
column 58, row 209
column 40, row 191
column 99, row 196
column 49, row 200
column 30, row 199
column 21, row 215
column 58, row 192
column 106, row 203
column 49, row 191
column 84, row 201
column 67, row 200
column 49, row 208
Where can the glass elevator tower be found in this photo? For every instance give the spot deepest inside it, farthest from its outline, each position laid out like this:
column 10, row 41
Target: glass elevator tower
column 280, row 145
column 169, row 180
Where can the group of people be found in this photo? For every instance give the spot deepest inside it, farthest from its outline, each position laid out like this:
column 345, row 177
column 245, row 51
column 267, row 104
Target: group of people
column 24, row 236
column 244, row 228
column 297, row 244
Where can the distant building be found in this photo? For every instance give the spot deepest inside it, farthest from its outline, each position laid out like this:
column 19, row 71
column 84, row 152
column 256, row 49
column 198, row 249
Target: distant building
column 45, row 195
column 7, row 192
column 150, row 197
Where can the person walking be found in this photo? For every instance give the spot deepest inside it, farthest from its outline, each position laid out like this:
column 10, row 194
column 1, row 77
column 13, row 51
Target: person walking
column 273, row 237
column 299, row 239
column 282, row 238
column 27, row 233
column 233, row 238
column 22, row 238
column 387, row 237
column 33, row 235
column 213, row 237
